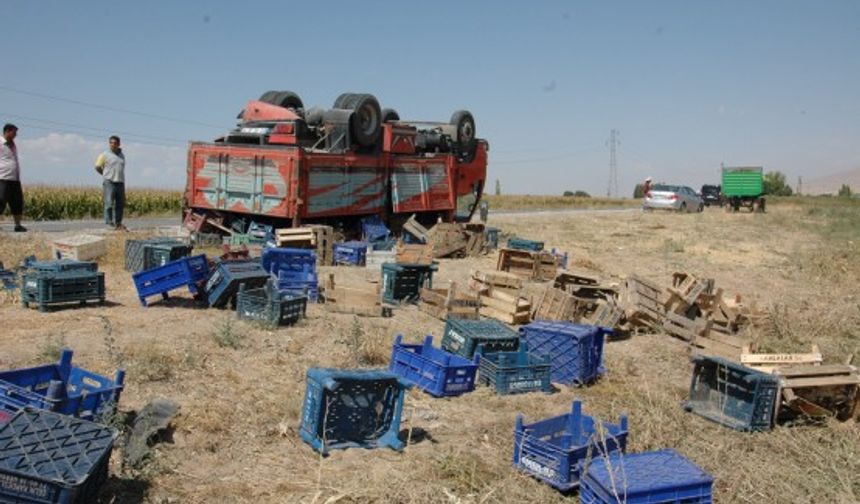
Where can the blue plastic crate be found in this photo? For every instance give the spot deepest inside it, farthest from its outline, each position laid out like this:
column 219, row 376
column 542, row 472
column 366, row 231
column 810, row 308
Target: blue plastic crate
column 432, row 370
column 515, row 372
column 277, row 259
column 463, row 336
column 62, row 388
column 188, row 271
column 224, row 280
column 46, row 458
column 402, row 282
column 560, row 258
column 576, row 350
column 732, row 395
column 351, row 252
column 153, row 252
column 352, row 408
column 373, row 229
column 8, row 279
column 491, row 235
column 557, row 449
column 269, row 306
column 45, row 289
column 523, row 244
column 261, row 232
column 59, row 265
column 658, row 477
column 298, row 283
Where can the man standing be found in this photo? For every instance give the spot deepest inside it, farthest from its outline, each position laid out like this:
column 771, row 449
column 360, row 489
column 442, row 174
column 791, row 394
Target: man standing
column 111, row 165
column 10, row 177
column 646, row 187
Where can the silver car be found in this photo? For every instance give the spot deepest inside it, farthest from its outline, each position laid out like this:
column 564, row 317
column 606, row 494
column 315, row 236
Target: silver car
column 672, row 197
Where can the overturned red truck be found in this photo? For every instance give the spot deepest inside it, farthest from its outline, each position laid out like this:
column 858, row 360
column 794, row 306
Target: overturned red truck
column 286, row 165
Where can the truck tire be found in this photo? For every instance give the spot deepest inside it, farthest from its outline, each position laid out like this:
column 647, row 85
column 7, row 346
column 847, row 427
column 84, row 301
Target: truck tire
column 286, row 99
column 366, row 120
column 389, row 115
column 683, row 207
column 466, row 140
column 340, row 101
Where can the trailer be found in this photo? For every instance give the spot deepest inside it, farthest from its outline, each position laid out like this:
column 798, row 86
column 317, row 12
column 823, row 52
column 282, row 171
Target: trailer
column 285, row 165
column 743, row 186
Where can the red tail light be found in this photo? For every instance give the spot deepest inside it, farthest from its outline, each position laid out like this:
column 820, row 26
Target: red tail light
column 283, row 129
column 673, row 197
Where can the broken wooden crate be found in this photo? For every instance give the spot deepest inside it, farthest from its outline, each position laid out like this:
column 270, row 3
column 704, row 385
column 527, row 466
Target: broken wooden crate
column 555, row 304
column 820, row 391
column 450, row 303
column 767, row 363
column 448, row 240
column 527, row 264
column 501, row 296
column 642, row 302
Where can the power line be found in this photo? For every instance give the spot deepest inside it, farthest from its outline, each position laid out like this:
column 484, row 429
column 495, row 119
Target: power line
column 108, row 108
column 86, row 135
column 90, row 128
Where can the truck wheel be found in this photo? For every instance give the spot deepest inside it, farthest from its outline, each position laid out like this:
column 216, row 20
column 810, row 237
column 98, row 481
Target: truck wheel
column 366, row 119
column 286, row 99
column 683, row 207
column 466, row 136
column 390, row 115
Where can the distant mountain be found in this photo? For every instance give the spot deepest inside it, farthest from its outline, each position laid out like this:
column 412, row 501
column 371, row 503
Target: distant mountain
column 830, row 184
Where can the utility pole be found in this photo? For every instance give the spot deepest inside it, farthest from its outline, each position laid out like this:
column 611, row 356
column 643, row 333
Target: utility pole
column 799, row 190
column 612, row 189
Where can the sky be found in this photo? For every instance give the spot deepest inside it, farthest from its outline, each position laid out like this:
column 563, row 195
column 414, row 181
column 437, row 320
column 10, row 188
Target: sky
column 688, row 84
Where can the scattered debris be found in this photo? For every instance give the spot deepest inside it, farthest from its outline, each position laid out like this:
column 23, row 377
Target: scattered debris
column 450, row 303
column 355, row 300
column 528, row 264
column 154, row 418
column 501, row 296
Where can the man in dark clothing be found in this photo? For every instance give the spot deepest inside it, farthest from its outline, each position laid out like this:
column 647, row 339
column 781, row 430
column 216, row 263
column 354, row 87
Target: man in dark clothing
column 11, row 192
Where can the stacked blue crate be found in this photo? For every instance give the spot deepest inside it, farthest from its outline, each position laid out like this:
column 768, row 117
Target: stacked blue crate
column 293, row 271
column 352, row 408
column 351, row 252
column 432, row 370
column 62, row 388
column 658, row 477
column 575, row 350
column 373, row 229
column 186, row 272
column 556, row 450
column 463, row 336
column 46, row 458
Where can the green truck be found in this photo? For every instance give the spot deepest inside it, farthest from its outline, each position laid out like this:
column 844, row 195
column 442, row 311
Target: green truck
column 743, row 186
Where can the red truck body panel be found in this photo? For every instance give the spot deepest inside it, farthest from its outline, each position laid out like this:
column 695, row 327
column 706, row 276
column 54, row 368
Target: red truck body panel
column 290, row 181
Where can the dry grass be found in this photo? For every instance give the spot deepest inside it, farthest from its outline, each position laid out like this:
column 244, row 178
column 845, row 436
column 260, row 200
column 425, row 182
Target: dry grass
column 236, row 439
column 532, row 202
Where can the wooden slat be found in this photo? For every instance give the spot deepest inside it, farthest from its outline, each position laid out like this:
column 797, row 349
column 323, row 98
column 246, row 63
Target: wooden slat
column 821, row 381
column 830, row 369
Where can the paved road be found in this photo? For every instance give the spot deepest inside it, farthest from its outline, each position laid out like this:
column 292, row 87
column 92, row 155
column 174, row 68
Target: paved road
column 97, row 226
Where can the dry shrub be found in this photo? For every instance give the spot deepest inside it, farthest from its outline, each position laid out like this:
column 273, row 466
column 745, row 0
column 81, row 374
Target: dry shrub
column 149, row 361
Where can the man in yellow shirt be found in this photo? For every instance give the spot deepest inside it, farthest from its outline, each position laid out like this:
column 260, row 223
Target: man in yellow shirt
column 111, row 166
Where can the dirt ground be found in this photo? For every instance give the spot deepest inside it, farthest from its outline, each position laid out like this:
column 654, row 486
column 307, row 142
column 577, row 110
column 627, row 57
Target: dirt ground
column 236, row 438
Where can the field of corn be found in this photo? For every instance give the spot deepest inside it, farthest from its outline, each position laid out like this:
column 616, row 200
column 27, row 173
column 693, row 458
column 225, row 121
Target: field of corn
column 77, row 202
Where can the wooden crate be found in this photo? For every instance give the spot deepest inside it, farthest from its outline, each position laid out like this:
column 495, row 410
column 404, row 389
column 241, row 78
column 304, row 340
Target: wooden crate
column 448, row 240
column 501, row 296
column 709, row 341
column 450, row 303
column 767, row 363
column 527, row 264
column 820, row 391
column 555, row 304
column 413, row 227
column 642, row 303
column 324, row 238
column 80, row 247
column 606, row 314
column 304, row 238
column 354, row 300
column 414, row 253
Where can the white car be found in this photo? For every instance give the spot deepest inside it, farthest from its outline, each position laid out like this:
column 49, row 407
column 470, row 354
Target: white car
column 671, row 197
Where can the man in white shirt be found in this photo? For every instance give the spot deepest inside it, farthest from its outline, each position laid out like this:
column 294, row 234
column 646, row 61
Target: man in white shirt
column 111, row 166
column 11, row 192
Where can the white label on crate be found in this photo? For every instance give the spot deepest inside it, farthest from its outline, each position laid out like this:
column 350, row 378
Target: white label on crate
column 456, row 386
column 31, row 284
column 453, row 334
column 23, row 486
column 524, row 384
column 538, row 468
